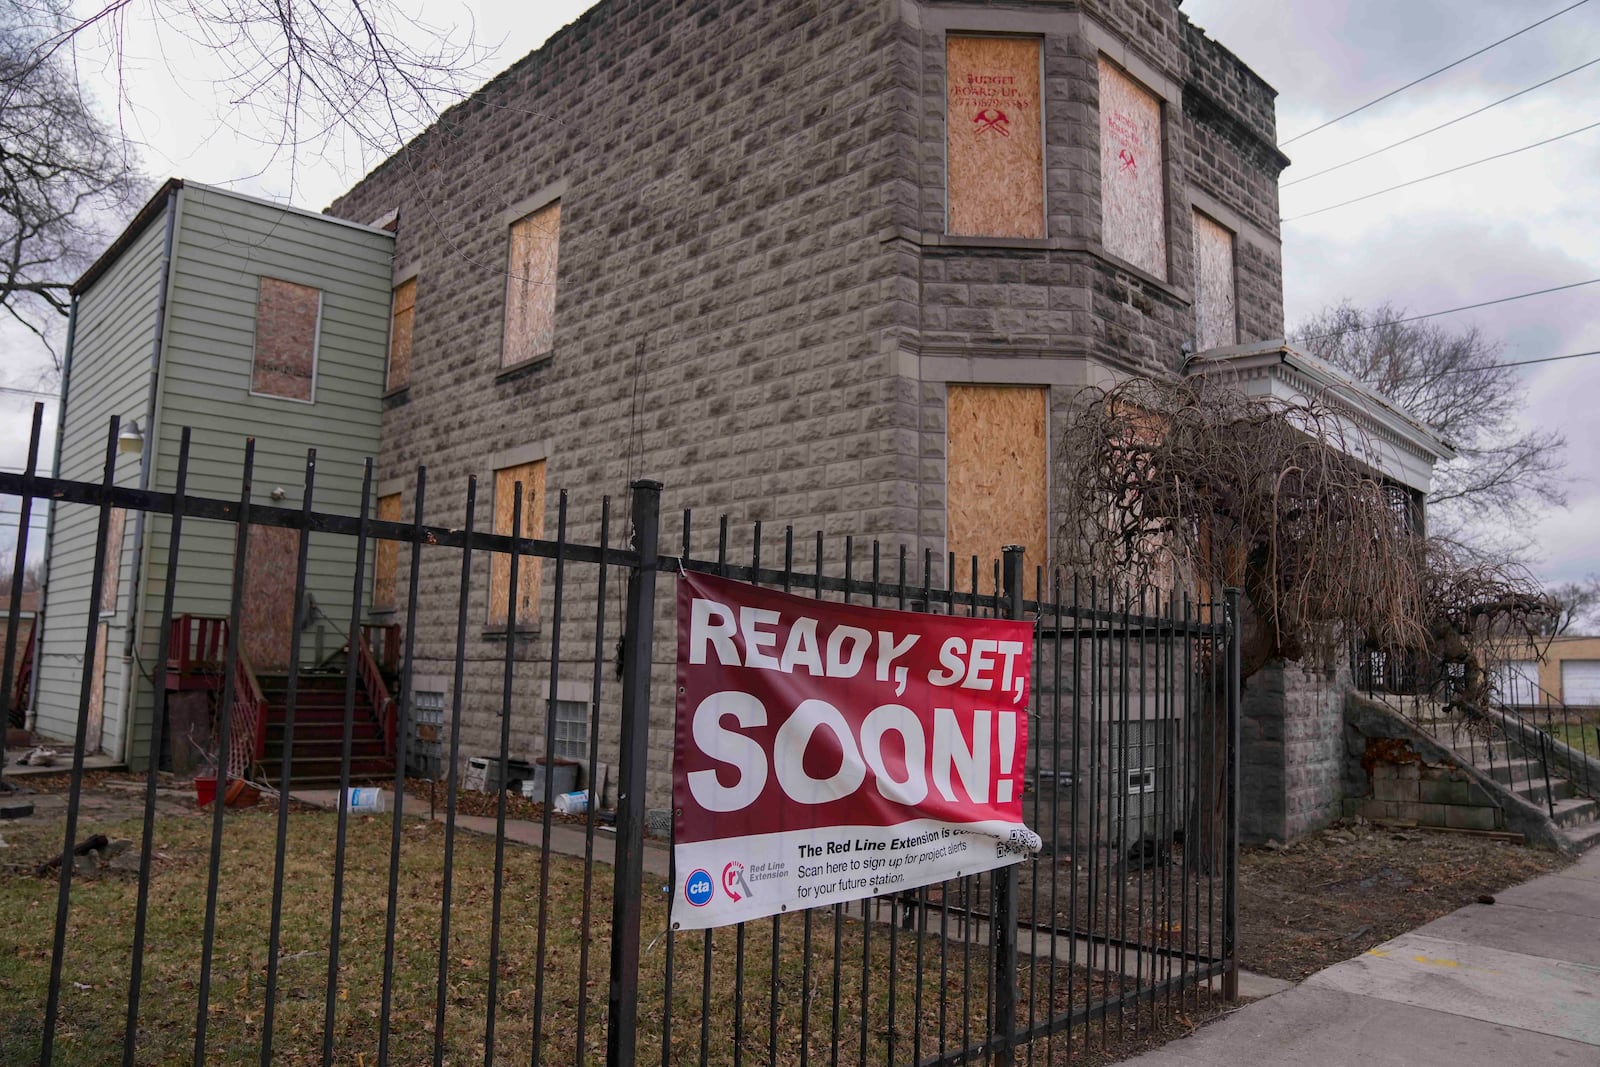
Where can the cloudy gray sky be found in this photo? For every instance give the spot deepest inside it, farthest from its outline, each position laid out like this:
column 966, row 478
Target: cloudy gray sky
column 1518, row 224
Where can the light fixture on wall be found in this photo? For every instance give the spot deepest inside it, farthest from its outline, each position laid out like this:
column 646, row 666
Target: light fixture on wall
column 131, row 439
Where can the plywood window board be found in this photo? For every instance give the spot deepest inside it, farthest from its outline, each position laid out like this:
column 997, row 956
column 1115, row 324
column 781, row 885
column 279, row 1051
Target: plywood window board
column 405, row 303
column 115, row 530
column 997, row 476
column 288, row 318
column 386, row 559
column 94, row 732
column 1215, row 288
column 529, row 568
column 994, row 137
column 1133, row 200
column 530, row 322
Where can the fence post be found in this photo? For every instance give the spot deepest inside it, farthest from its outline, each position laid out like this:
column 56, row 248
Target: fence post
column 1230, row 874
column 1005, row 887
column 637, row 654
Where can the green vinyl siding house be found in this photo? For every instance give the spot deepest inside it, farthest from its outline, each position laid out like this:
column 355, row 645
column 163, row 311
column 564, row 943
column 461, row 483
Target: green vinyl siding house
column 236, row 318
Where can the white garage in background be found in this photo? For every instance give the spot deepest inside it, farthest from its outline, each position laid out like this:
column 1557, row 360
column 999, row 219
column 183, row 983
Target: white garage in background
column 1516, row 682
column 1580, row 682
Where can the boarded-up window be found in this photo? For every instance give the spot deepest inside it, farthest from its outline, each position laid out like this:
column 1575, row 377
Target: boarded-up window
column 530, row 328
column 1133, row 200
column 287, row 317
column 113, row 564
column 531, row 475
column 405, row 303
column 997, row 477
column 386, row 558
column 1215, row 302
column 995, row 139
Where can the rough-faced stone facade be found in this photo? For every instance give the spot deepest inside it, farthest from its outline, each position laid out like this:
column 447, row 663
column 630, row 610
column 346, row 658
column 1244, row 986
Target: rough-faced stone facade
column 1292, row 756
column 757, row 300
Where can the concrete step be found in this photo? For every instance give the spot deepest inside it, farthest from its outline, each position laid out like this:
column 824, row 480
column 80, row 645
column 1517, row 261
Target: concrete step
column 1583, row 837
column 1535, row 791
column 1576, row 811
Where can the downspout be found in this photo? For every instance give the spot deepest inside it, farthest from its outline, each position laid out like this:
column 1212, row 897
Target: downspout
column 50, row 520
column 147, row 459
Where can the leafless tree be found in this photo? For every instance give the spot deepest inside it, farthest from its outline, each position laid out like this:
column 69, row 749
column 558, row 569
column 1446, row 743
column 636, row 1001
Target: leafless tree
column 1193, row 484
column 32, row 577
column 304, row 73
column 297, row 75
column 62, row 172
column 1577, row 604
column 1456, row 381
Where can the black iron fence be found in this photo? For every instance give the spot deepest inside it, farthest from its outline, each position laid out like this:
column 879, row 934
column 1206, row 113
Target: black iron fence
column 433, row 933
column 1509, row 726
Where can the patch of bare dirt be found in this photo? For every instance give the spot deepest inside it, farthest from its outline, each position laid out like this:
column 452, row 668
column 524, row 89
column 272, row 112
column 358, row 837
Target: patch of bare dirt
column 1338, row 893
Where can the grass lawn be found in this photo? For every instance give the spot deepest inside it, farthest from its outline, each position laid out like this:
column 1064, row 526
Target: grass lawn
column 95, row 976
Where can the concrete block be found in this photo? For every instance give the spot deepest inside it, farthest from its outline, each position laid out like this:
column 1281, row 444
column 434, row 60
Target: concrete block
column 1437, row 790
column 1377, row 809
column 1396, row 789
column 1462, row 817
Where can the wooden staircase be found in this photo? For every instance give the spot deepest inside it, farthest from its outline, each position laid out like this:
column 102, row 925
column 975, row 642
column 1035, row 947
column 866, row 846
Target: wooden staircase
column 198, row 651
column 319, row 731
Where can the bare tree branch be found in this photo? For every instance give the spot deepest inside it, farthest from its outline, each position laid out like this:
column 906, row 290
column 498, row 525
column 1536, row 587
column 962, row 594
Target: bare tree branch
column 1193, row 484
column 63, row 173
column 1451, row 380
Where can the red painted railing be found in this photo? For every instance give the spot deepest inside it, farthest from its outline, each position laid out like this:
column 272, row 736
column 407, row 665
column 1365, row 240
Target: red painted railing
column 198, row 645
column 383, row 705
column 384, row 641
column 21, row 689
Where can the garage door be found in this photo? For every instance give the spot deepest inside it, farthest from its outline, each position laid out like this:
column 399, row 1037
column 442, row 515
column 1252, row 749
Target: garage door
column 1516, row 682
column 1580, row 682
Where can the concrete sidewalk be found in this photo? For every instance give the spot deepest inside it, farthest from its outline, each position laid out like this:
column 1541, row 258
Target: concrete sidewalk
column 1515, row 982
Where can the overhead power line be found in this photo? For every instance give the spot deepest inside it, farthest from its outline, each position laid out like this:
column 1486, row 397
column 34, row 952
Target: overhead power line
column 1442, row 173
column 1442, row 125
column 19, row 391
column 1450, row 311
column 1484, row 367
column 1431, row 74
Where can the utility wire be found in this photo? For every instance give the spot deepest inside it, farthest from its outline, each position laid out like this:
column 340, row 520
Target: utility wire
column 1442, row 173
column 1431, row 74
column 18, row 391
column 1449, row 311
column 1442, row 125
column 1484, row 367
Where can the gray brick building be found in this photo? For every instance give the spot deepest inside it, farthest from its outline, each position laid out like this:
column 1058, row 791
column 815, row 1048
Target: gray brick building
column 836, row 265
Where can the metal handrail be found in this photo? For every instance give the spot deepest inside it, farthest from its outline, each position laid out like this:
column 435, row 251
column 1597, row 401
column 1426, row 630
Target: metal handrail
column 383, row 705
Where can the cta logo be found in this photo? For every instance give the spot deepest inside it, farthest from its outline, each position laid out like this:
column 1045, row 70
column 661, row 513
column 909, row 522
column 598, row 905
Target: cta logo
column 697, row 888
column 733, row 882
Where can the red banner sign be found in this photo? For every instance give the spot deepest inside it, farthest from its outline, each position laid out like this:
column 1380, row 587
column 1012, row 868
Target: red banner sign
column 826, row 752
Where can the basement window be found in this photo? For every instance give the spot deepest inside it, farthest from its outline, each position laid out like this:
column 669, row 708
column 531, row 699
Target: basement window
column 571, row 739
